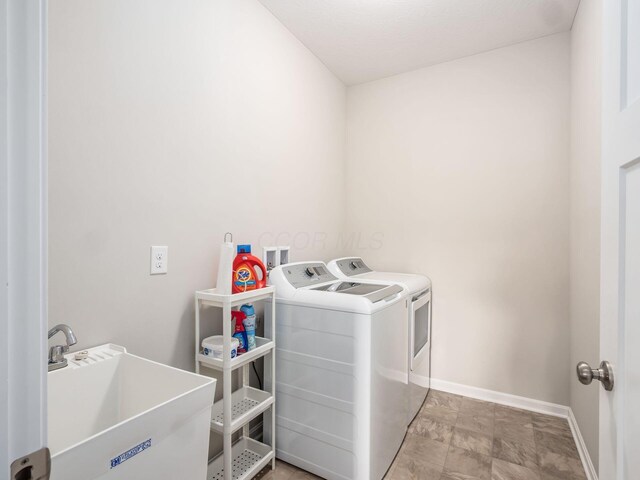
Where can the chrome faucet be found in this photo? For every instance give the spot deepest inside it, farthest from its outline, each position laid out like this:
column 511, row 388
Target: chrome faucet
column 56, row 353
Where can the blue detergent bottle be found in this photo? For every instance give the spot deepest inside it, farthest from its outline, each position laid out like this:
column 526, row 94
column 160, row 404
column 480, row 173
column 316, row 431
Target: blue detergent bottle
column 249, row 325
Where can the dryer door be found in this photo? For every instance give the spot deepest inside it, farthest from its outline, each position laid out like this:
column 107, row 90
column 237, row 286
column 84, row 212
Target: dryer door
column 420, row 325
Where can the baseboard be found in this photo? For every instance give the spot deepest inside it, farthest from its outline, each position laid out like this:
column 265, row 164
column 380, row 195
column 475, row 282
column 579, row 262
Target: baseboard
column 589, row 469
column 502, row 398
column 524, row 403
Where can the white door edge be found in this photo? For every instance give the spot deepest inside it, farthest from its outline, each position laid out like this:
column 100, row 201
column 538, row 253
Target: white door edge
column 23, row 215
column 620, row 237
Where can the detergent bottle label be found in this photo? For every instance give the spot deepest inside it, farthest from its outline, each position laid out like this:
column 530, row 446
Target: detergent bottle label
column 244, row 277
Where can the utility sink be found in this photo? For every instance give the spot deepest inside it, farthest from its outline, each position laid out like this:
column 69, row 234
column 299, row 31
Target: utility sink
column 114, row 416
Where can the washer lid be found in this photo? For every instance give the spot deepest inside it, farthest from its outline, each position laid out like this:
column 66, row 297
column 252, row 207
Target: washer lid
column 310, row 284
column 354, row 268
column 372, row 291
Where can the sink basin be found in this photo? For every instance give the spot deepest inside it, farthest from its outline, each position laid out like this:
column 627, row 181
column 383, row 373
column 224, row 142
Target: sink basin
column 118, row 416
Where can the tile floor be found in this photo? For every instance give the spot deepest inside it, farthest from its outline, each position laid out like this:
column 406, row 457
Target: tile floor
column 458, row 438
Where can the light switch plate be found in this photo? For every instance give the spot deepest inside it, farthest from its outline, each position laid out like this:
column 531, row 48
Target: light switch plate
column 159, row 259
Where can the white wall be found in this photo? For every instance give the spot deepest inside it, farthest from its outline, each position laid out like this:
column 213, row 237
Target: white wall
column 171, row 122
column 464, row 168
column 585, row 213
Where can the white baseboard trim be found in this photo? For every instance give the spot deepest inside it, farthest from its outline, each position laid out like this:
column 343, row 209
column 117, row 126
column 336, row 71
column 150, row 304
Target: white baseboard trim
column 502, row 398
column 589, row 469
column 524, row 403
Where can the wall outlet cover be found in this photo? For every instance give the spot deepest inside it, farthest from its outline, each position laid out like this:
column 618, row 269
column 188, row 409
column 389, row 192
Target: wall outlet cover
column 159, row 260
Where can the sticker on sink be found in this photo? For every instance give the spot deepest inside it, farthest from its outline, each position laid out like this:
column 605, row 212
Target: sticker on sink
column 132, row 452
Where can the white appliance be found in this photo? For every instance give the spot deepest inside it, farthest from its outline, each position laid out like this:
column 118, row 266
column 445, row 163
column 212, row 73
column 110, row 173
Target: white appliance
column 419, row 321
column 340, row 372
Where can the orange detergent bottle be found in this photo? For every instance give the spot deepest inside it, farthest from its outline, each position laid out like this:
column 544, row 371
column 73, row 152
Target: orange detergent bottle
column 249, row 272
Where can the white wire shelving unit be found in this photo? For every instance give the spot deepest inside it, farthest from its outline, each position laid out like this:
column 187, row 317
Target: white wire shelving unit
column 243, row 458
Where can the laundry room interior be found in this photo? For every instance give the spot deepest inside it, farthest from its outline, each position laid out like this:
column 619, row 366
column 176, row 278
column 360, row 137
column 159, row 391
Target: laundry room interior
column 455, row 140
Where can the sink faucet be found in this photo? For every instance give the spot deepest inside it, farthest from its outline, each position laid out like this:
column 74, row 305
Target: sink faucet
column 56, row 353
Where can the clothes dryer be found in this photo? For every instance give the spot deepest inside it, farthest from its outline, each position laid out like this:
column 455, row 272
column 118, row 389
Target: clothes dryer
column 418, row 320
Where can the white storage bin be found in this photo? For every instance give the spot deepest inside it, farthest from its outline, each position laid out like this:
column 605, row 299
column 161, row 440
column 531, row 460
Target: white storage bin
column 212, row 346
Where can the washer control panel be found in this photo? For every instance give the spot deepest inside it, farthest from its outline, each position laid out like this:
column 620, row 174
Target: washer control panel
column 352, row 266
column 306, row 274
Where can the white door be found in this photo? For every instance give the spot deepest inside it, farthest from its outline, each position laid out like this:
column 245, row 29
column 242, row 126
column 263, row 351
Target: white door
column 620, row 277
column 23, row 340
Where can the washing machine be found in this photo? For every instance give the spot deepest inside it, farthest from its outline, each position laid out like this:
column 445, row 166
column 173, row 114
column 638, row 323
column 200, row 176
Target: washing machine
column 418, row 320
column 341, row 363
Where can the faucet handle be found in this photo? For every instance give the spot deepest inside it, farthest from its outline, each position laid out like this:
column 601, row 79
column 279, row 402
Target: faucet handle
column 56, row 353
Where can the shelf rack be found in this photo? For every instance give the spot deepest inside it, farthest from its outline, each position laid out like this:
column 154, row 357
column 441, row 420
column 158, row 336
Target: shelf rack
column 244, row 458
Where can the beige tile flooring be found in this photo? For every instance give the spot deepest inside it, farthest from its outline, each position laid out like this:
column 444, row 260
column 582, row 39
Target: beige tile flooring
column 458, row 438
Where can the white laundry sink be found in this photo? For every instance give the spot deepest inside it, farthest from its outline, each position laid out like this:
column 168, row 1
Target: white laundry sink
column 119, row 416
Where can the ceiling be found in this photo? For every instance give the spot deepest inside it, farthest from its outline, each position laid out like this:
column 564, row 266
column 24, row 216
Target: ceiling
column 363, row 40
